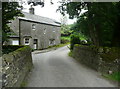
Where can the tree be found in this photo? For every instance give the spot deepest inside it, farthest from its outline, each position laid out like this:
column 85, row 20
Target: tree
column 39, row 2
column 116, row 35
column 9, row 11
column 36, row 3
column 102, row 27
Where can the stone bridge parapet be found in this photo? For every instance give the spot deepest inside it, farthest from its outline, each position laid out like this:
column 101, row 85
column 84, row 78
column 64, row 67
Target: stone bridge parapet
column 15, row 66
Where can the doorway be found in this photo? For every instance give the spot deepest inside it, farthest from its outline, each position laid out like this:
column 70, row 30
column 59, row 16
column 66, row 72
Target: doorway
column 35, row 42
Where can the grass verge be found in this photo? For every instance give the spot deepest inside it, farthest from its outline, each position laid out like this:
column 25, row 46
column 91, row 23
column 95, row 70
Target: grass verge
column 66, row 38
column 115, row 76
column 70, row 53
column 24, row 83
column 60, row 45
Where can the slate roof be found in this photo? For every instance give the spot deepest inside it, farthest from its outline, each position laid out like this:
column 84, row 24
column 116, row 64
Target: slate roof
column 40, row 19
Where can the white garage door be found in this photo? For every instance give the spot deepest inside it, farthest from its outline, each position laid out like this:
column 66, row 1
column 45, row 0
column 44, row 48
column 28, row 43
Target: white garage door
column 15, row 42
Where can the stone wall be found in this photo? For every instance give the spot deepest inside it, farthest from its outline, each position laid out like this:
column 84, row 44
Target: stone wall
column 102, row 59
column 16, row 66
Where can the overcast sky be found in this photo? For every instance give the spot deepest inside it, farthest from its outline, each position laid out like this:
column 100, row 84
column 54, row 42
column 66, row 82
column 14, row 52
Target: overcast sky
column 49, row 11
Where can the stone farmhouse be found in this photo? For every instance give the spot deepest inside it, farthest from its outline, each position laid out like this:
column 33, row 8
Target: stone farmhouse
column 36, row 31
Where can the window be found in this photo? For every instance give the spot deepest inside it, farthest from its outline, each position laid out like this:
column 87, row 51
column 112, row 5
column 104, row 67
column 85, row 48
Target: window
column 35, row 41
column 27, row 41
column 45, row 31
column 53, row 30
column 51, row 42
column 15, row 42
column 33, row 26
column 54, row 42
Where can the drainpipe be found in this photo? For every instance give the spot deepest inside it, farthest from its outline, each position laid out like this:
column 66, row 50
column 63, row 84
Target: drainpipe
column 19, row 33
column 1, row 44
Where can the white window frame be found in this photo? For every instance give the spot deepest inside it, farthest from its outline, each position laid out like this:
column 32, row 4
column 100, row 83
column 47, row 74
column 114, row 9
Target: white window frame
column 27, row 42
column 45, row 31
column 33, row 27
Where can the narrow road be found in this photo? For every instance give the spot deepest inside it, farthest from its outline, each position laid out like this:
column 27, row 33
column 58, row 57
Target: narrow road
column 57, row 69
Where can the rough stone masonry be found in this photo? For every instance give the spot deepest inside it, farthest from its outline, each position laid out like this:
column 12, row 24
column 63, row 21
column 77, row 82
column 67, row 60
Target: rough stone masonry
column 16, row 65
column 102, row 59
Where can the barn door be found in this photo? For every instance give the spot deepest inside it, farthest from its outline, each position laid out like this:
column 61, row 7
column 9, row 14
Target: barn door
column 35, row 43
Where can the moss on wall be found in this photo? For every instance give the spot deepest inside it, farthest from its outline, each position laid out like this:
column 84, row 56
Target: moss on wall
column 16, row 66
column 103, row 59
column 108, row 54
column 10, row 48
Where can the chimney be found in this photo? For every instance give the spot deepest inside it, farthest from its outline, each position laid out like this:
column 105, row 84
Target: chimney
column 31, row 10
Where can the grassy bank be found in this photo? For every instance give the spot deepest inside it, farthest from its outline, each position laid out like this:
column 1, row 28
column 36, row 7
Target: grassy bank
column 70, row 53
column 115, row 76
column 60, row 45
column 66, row 37
column 10, row 48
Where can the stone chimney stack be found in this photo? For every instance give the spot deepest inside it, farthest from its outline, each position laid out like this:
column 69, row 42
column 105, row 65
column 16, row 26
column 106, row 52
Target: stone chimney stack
column 31, row 10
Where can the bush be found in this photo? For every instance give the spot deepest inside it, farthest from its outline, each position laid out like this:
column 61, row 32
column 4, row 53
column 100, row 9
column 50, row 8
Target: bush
column 115, row 76
column 65, row 40
column 10, row 48
column 74, row 39
column 70, row 53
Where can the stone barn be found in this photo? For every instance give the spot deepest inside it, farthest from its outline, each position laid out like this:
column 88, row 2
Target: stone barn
column 36, row 31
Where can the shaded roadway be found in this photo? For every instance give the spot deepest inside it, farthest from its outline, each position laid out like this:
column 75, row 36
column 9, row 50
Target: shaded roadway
column 56, row 69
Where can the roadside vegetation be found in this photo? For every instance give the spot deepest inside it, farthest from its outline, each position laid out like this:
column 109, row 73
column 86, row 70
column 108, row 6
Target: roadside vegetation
column 70, row 53
column 57, row 46
column 101, row 28
column 10, row 10
column 115, row 76
column 10, row 48
column 93, row 28
column 65, row 33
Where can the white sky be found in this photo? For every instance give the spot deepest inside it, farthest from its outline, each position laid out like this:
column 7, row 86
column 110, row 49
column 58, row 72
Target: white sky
column 49, row 11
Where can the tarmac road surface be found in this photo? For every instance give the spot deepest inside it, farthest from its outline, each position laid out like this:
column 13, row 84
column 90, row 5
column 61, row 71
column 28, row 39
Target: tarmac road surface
column 56, row 69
